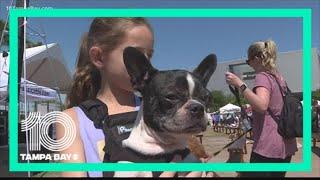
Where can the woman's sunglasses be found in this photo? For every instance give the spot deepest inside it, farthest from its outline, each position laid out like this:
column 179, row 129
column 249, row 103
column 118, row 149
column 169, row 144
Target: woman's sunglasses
column 248, row 61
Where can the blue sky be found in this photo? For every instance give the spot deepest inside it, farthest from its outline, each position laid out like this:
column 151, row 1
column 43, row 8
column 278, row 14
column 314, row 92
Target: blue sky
column 183, row 42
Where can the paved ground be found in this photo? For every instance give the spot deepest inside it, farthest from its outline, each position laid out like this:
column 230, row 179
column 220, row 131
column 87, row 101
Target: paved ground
column 4, row 159
column 212, row 142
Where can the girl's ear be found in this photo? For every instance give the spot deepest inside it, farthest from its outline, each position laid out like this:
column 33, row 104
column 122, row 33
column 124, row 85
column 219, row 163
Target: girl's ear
column 95, row 54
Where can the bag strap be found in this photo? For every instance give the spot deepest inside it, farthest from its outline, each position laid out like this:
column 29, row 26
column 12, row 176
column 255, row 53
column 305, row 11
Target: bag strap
column 96, row 111
column 274, row 117
column 280, row 88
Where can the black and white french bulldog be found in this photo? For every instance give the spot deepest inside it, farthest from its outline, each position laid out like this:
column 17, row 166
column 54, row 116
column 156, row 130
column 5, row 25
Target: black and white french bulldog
column 173, row 107
column 174, row 103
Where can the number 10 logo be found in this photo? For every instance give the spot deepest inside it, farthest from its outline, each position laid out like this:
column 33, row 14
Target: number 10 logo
column 38, row 128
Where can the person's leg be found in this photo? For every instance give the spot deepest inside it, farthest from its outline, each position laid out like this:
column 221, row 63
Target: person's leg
column 256, row 158
column 281, row 173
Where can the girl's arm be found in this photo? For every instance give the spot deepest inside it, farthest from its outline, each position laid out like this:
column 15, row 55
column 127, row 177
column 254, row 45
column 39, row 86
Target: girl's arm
column 76, row 147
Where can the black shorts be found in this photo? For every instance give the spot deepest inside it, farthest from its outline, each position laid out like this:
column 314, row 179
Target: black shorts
column 257, row 158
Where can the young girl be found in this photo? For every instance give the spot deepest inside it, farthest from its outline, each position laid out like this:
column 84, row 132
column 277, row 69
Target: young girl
column 101, row 74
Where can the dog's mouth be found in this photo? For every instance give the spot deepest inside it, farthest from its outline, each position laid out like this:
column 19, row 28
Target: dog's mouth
column 183, row 125
column 197, row 128
column 192, row 129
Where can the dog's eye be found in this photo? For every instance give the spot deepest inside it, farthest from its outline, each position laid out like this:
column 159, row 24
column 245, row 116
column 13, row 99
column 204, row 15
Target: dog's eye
column 171, row 97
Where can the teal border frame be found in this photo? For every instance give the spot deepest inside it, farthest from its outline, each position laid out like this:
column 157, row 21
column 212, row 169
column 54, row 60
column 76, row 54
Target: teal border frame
column 15, row 13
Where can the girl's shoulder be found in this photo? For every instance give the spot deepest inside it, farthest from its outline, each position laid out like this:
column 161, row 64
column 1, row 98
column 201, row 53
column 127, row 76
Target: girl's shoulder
column 72, row 113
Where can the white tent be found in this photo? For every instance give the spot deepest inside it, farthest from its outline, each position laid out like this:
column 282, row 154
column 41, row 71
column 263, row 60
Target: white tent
column 45, row 66
column 229, row 108
column 34, row 91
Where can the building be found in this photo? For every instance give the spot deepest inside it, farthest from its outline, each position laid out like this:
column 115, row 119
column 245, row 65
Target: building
column 289, row 64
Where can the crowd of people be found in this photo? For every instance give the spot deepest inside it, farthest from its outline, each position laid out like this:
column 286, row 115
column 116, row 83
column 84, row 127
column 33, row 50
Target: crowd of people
column 229, row 119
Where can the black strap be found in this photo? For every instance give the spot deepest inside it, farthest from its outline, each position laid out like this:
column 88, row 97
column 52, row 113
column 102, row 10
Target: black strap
column 280, row 88
column 230, row 143
column 96, row 111
column 235, row 92
column 283, row 94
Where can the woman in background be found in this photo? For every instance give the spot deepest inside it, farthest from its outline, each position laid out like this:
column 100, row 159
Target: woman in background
column 269, row 146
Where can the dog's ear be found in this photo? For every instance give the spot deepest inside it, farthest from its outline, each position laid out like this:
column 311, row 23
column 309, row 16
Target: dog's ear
column 206, row 68
column 139, row 68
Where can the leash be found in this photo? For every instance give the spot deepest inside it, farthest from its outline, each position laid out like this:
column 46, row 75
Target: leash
column 229, row 144
column 246, row 127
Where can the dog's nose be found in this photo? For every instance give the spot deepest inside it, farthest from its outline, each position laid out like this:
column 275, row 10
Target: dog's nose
column 196, row 109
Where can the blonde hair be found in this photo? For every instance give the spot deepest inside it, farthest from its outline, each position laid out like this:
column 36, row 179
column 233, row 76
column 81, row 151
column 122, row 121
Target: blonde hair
column 267, row 52
column 106, row 33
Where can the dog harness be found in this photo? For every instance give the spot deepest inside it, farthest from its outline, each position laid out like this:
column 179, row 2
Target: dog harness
column 117, row 128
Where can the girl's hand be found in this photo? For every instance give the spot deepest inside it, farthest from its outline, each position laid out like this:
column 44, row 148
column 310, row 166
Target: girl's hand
column 175, row 159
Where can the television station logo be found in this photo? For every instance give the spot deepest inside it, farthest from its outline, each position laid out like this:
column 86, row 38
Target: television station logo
column 38, row 126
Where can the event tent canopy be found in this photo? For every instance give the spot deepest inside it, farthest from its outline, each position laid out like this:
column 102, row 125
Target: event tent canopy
column 34, row 91
column 229, row 108
column 45, row 66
